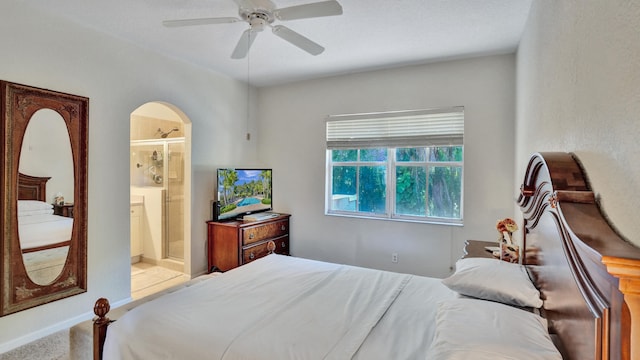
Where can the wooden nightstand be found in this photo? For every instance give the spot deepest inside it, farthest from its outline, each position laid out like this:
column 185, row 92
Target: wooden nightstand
column 65, row 209
column 476, row 248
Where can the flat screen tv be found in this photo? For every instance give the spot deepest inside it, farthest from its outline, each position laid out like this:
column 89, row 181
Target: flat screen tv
column 242, row 192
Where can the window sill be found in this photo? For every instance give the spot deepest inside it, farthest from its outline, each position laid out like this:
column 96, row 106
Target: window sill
column 429, row 221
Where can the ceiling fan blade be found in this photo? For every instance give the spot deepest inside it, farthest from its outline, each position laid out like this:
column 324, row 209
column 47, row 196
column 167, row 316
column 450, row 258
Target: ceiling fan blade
column 318, row 9
column 297, row 40
column 242, row 48
column 202, row 21
column 255, row 4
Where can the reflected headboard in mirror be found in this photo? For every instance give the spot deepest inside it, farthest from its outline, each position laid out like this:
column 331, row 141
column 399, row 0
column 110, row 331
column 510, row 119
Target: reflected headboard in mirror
column 32, row 187
column 45, row 149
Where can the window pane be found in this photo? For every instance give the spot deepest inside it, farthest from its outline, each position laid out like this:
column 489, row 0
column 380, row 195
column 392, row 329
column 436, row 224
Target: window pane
column 444, row 196
column 411, row 154
column 446, row 153
column 379, row 154
column 411, row 188
column 372, row 189
column 344, row 155
column 343, row 195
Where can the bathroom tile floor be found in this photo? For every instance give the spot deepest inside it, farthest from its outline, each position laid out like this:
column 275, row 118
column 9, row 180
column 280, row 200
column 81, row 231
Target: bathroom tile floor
column 148, row 279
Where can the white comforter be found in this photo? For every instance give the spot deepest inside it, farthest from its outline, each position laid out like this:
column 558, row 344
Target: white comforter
column 281, row 307
column 43, row 230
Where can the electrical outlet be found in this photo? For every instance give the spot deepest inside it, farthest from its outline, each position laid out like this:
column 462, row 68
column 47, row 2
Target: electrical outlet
column 394, row 257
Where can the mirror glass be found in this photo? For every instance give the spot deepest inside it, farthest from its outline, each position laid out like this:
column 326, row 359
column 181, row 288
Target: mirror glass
column 45, row 228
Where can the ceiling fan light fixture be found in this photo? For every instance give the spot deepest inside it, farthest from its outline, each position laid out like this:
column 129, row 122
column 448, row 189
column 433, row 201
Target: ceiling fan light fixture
column 258, row 21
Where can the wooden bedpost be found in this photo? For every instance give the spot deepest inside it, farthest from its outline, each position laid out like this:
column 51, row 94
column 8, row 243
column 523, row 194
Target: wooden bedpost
column 101, row 308
column 628, row 272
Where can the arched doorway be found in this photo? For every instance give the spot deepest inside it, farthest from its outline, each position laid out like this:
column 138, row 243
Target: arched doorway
column 160, row 183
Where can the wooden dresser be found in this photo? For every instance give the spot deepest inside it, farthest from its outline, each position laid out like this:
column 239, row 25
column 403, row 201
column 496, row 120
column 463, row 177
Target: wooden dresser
column 234, row 243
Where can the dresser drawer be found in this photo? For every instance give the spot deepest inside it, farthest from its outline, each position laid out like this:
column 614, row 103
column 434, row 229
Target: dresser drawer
column 253, row 252
column 258, row 233
column 282, row 245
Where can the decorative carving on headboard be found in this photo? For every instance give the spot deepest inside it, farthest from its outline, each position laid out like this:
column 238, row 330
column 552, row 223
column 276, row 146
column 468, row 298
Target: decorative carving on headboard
column 534, row 201
column 594, row 289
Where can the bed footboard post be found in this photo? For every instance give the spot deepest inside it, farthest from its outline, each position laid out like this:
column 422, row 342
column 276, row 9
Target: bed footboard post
column 101, row 308
column 628, row 272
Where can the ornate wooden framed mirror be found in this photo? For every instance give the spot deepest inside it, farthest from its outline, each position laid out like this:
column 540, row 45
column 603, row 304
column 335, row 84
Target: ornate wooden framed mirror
column 44, row 196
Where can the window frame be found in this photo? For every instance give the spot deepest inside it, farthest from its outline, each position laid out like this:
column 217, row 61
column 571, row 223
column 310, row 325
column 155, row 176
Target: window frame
column 391, row 165
column 392, row 130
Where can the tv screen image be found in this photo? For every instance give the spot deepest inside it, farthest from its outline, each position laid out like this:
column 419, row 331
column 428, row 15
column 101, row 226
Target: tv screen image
column 243, row 191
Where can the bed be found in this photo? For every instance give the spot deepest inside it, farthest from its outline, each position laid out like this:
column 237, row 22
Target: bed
column 576, row 296
column 39, row 228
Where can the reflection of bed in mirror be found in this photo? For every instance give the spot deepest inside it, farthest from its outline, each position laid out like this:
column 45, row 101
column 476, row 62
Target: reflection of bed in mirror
column 44, row 237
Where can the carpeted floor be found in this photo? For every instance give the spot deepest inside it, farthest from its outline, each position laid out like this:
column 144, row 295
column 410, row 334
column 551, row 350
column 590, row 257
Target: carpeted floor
column 145, row 279
column 52, row 347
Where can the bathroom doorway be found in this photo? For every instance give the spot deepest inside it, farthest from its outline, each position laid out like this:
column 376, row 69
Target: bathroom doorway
column 160, row 168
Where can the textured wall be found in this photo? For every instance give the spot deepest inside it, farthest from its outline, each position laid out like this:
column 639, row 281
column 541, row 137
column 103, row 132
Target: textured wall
column 578, row 90
column 292, row 141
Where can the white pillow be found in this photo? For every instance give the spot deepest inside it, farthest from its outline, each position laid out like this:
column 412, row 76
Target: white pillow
column 492, row 279
column 35, row 212
column 25, row 205
column 485, row 330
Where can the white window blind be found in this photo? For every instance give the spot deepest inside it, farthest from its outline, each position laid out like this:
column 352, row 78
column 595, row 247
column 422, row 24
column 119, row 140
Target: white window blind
column 433, row 127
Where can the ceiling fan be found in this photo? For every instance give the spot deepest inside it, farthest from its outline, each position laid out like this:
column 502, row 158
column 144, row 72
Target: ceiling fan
column 262, row 13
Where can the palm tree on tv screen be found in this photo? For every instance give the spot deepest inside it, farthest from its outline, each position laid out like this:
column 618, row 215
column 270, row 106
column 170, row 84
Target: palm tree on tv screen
column 229, row 179
column 266, row 183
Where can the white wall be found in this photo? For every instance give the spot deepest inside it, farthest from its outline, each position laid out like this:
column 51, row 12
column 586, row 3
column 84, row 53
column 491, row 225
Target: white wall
column 292, row 142
column 579, row 91
column 50, row 53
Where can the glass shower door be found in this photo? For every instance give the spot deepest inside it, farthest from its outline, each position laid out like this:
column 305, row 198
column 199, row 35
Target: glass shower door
column 174, row 201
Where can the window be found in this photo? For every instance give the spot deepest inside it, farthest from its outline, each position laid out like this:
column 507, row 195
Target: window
column 402, row 165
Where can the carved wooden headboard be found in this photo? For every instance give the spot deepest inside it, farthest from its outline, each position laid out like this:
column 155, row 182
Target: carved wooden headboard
column 588, row 274
column 32, row 187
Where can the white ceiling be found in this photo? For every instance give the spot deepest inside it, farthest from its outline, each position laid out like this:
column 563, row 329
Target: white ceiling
column 370, row 34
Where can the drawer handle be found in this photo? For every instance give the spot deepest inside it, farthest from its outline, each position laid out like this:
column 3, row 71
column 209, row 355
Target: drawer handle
column 284, row 244
column 283, row 228
column 252, row 256
column 271, row 246
column 252, row 235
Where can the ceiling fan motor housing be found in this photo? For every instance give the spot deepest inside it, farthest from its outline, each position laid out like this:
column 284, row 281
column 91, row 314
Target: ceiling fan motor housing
column 257, row 19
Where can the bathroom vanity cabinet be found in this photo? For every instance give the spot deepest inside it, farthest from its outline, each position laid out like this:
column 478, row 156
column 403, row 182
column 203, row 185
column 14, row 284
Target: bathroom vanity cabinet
column 136, row 229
